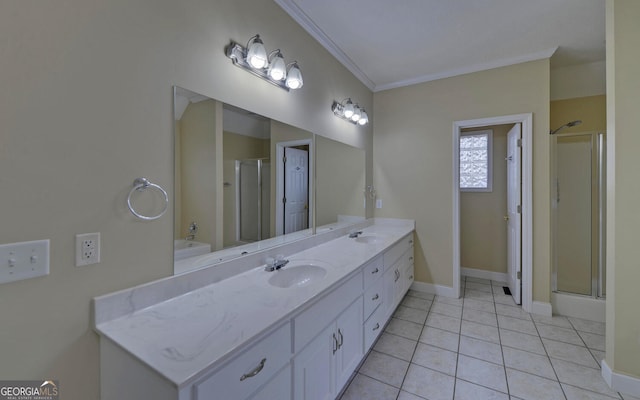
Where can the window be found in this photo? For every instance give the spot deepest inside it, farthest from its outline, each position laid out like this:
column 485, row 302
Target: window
column 475, row 161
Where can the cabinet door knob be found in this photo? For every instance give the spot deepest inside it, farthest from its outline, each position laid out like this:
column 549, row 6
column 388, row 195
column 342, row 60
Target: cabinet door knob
column 375, row 271
column 376, row 297
column 255, row 371
column 375, row 328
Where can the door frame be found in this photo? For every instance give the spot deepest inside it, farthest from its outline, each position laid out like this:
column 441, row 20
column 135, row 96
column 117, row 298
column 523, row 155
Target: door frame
column 527, row 198
column 280, row 146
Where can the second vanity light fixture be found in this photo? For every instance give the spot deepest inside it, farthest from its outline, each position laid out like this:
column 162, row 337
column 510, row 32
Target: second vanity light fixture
column 350, row 112
column 270, row 67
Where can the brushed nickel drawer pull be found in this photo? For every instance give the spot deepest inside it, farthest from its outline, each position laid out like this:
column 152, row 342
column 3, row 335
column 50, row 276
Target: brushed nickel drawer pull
column 376, row 297
column 255, row 371
column 341, row 338
column 375, row 328
column 375, row 271
column 335, row 344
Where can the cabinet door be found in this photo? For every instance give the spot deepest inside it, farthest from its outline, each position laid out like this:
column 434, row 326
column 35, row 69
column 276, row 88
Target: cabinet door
column 313, row 370
column 389, row 292
column 350, row 342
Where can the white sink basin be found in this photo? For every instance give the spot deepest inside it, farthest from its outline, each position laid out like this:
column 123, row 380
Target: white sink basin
column 297, row 275
column 370, row 239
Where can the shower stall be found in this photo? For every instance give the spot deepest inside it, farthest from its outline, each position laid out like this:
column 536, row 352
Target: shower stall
column 578, row 212
column 253, row 195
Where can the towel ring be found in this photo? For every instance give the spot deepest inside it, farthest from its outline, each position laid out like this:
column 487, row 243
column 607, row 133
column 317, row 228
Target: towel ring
column 141, row 184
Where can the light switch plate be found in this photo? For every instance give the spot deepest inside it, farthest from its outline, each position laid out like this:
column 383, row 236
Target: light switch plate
column 24, row 260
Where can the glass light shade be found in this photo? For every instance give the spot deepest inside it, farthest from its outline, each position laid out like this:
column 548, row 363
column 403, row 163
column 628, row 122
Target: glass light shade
column 364, row 118
column 256, row 53
column 348, row 109
column 277, row 67
column 294, row 77
column 356, row 114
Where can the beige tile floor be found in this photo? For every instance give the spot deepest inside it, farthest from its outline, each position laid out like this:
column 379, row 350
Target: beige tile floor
column 482, row 346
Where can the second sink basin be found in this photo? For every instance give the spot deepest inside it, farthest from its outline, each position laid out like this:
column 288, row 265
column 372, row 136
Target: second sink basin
column 370, row 238
column 297, row 275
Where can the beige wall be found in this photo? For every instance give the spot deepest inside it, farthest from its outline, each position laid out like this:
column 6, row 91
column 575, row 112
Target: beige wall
column 198, row 171
column 591, row 110
column 339, row 181
column 413, row 157
column 86, row 108
column 483, row 230
column 623, row 192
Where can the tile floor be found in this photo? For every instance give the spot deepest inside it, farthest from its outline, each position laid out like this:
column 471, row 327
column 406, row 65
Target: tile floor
column 482, row 346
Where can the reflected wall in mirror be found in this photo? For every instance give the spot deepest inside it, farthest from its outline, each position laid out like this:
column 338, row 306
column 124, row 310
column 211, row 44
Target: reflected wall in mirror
column 340, row 183
column 241, row 179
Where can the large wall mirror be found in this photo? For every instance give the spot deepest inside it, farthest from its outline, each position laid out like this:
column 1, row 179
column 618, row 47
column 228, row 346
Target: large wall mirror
column 245, row 182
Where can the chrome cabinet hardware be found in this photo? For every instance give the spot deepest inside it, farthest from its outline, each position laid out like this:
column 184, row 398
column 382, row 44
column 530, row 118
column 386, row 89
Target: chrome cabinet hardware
column 341, row 338
column 375, row 271
column 255, row 371
column 335, row 344
column 376, row 297
column 375, row 328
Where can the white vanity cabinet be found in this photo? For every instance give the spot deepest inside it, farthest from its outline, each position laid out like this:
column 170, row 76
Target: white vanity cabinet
column 323, row 364
column 303, row 347
column 398, row 275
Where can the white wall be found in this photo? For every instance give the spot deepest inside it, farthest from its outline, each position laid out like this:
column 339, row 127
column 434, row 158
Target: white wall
column 86, row 107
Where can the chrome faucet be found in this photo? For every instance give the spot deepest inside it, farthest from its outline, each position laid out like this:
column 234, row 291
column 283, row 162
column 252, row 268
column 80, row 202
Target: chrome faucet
column 355, row 234
column 274, row 264
column 193, row 229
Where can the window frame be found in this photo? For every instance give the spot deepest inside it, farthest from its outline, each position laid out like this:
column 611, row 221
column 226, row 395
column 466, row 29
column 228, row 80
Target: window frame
column 489, row 134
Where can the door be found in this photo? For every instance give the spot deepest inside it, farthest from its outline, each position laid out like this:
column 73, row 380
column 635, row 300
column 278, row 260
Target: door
column 296, row 190
column 514, row 216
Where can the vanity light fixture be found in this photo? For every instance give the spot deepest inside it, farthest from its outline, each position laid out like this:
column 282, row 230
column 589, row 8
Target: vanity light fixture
column 271, row 67
column 350, row 112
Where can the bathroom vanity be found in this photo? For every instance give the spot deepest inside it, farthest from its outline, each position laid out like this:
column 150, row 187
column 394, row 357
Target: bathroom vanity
column 294, row 333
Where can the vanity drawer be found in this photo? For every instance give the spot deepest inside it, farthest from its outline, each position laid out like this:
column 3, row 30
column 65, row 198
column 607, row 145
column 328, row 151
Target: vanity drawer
column 393, row 254
column 372, row 271
column 250, row 370
column 373, row 297
column 373, row 326
column 314, row 319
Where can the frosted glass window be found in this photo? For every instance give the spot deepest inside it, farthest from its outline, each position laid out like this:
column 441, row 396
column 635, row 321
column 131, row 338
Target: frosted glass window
column 475, row 161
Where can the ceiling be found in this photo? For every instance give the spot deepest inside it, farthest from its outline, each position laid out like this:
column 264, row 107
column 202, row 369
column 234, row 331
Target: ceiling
column 388, row 44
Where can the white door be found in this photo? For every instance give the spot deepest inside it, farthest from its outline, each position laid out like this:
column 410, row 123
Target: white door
column 514, row 216
column 296, row 190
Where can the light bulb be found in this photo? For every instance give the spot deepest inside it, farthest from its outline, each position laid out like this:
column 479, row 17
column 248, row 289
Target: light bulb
column 294, row 77
column 277, row 67
column 364, row 118
column 256, row 53
column 348, row 109
column 356, row 114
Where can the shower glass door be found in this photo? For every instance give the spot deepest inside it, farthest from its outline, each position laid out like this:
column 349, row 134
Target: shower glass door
column 579, row 216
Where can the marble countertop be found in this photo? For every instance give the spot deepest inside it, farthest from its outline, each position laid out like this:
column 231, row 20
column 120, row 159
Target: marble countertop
column 183, row 336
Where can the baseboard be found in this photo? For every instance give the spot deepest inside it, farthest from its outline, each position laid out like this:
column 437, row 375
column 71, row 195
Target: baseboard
column 438, row 290
column 541, row 308
column 578, row 306
column 619, row 382
column 482, row 274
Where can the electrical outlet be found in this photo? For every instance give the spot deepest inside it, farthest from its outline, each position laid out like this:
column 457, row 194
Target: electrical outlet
column 87, row 249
